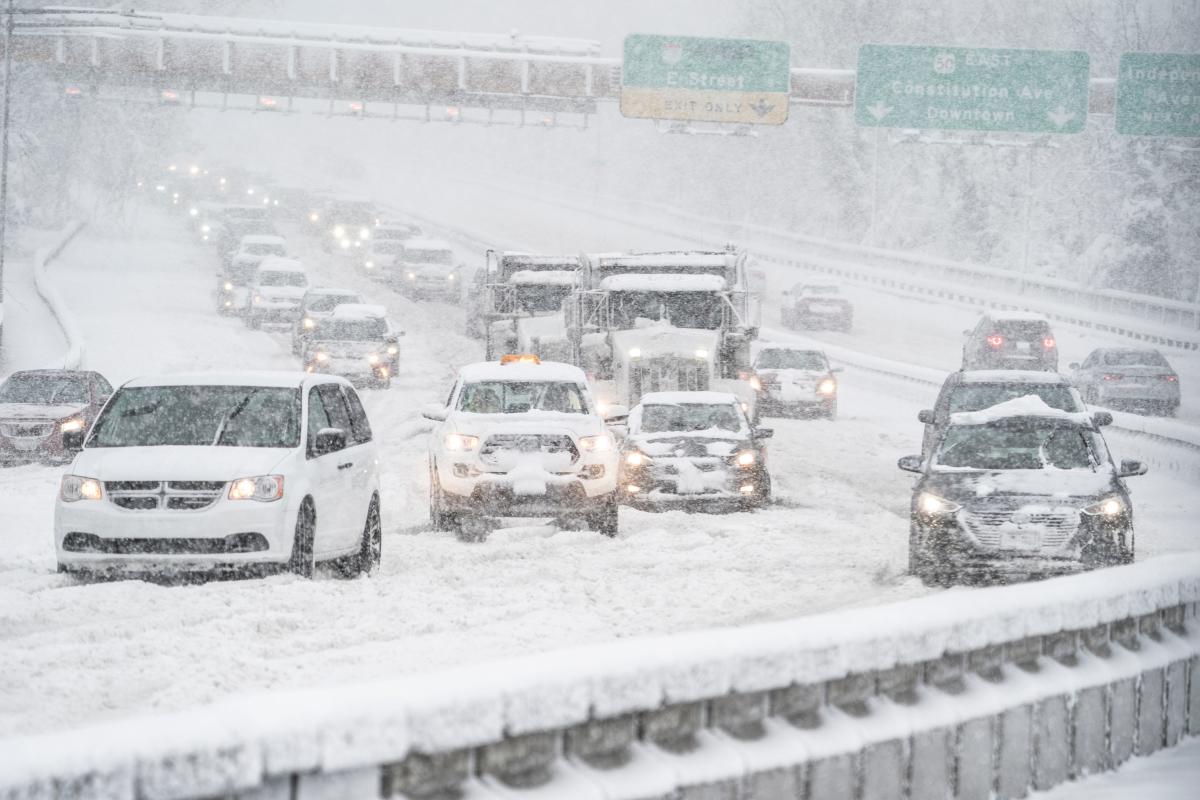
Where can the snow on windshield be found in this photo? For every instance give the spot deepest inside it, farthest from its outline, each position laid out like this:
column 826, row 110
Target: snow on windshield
column 1017, row 445
column 44, row 389
column 699, row 310
column 512, row 397
column 200, row 416
column 690, row 417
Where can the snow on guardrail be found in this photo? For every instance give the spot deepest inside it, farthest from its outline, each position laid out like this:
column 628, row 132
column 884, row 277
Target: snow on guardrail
column 73, row 358
column 925, row 675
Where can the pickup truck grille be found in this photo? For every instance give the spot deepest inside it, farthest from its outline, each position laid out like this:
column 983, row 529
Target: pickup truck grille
column 163, row 495
column 529, row 443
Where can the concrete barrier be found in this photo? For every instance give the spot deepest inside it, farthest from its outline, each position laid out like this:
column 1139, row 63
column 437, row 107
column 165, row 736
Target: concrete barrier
column 73, row 358
column 974, row 694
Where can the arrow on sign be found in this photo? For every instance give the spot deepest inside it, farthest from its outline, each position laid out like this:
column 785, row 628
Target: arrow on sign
column 879, row 110
column 1060, row 116
column 762, row 109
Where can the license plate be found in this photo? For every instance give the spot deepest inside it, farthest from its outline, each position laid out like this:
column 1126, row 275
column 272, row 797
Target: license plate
column 1023, row 347
column 1021, row 540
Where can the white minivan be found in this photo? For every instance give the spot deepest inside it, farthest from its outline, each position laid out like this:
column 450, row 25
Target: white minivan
column 243, row 472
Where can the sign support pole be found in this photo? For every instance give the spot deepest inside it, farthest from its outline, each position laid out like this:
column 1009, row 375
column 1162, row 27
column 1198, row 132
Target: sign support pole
column 1028, row 208
column 874, row 189
column 8, row 36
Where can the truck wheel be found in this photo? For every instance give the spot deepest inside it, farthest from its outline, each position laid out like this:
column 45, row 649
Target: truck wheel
column 605, row 520
column 253, row 321
column 301, row 561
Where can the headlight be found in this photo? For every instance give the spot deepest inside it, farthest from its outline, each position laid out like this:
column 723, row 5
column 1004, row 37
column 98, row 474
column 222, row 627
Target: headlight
column 827, row 386
column 755, row 383
column 309, row 323
column 746, row 458
column 322, row 356
column 450, row 277
column 636, row 459
column 461, row 442
column 393, row 350
column 71, row 426
column 258, row 298
column 345, row 244
column 596, row 444
column 75, row 488
column 1108, row 507
column 314, row 217
column 635, row 352
column 339, row 231
column 701, row 353
column 206, row 228
column 412, row 276
column 373, row 359
column 364, row 233
column 264, row 489
column 370, row 264
column 932, row 504
column 228, row 286
column 193, row 212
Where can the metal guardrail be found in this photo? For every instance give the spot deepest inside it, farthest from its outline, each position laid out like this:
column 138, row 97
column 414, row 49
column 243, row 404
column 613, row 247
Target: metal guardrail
column 979, row 695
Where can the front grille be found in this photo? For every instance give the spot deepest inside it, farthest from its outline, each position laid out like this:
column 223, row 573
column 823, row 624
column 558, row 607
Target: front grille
column 168, row 495
column 1056, row 524
column 670, row 375
column 529, row 443
column 76, row 542
column 27, row 430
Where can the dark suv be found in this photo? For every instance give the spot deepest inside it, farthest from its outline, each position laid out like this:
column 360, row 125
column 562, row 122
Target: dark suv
column 1011, row 340
column 1020, row 489
column 975, row 390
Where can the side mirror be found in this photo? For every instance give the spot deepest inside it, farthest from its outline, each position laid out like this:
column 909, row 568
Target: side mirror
column 435, row 412
column 1073, row 365
column 1131, row 469
column 910, row 464
column 72, row 441
column 329, row 440
column 1102, row 418
column 616, row 414
column 763, row 433
column 925, row 415
column 752, row 333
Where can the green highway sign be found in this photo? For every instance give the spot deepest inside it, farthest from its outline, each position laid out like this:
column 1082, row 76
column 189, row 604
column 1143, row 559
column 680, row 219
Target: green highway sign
column 970, row 88
column 1158, row 94
column 709, row 80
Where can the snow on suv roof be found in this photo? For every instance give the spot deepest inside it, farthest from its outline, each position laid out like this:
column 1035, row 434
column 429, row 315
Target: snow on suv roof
column 327, row 292
column 258, row 238
column 280, row 264
column 663, row 283
column 1028, row 406
column 545, row 371
column 359, row 311
column 684, row 398
column 265, row 379
column 1017, row 316
column 1013, row 376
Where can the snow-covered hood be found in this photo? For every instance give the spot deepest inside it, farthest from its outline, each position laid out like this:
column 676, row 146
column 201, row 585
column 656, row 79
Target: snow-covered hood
column 177, row 463
column 10, row 411
column 657, row 341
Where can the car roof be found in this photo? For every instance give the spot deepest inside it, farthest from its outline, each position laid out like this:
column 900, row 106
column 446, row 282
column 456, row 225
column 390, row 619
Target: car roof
column 1027, row 407
column 263, row 378
column 359, row 311
column 683, row 398
column 66, row 372
column 262, row 238
column 325, row 290
column 1012, row 376
column 1016, row 316
column 545, row 371
column 280, row 264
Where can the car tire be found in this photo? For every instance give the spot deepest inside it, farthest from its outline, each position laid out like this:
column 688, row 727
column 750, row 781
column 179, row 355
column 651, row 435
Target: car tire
column 605, row 520
column 370, row 552
column 831, row 411
column 301, row 562
column 253, row 321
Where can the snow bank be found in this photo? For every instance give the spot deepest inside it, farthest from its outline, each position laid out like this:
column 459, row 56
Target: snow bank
column 225, row 747
column 73, row 358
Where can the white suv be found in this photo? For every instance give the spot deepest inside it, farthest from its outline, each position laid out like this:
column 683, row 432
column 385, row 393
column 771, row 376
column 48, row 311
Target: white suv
column 276, row 291
column 240, row 472
column 521, row 438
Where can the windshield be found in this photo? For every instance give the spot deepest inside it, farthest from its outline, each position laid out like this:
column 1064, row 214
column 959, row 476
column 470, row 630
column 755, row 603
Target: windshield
column 397, row 233
column 387, row 246
column 791, row 359
column 435, row 256
column 703, row 310
column 351, row 330
column 328, row 302
column 200, row 416
column 273, row 278
column 1139, row 358
column 44, row 389
column 511, row 397
column 820, row 290
column 690, row 417
column 1023, row 445
column 978, row 396
column 1023, row 329
column 539, row 299
column 264, row 250
column 352, row 214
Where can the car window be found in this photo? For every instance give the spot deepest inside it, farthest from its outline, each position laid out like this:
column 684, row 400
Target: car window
column 685, row 417
column 360, row 426
column 1015, row 446
column 328, row 302
column 103, row 387
column 1134, row 358
column 335, row 408
column 44, row 388
column 272, row 278
column 519, row 397
column 318, row 419
column 199, row 416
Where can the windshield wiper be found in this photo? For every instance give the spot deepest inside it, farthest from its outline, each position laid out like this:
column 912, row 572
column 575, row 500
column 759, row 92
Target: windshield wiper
column 241, row 406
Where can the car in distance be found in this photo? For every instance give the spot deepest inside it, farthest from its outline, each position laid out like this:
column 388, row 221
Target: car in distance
column 356, row 342
column 316, row 305
column 428, row 269
column 386, row 246
column 348, row 223
column 276, row 290
column 38, row 406
column 1125, row 377
column 222, row 472
column 1011, row 340
column 252, row 249
column 817, row 307
column 1018, row 489
column 694, row 449
column 522, row 438
column 975, row 390
column 795, row 380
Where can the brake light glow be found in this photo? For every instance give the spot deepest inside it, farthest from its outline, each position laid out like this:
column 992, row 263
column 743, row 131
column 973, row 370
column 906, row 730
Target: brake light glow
column 995, row 340
column 1170, row 378
column 1109, row 376
column 1048, row 343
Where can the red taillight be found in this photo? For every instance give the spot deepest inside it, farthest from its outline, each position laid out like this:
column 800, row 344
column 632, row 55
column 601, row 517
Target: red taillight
column 1112, row 377
column 1170, row 378
column 1048, row 343
column 995, row 340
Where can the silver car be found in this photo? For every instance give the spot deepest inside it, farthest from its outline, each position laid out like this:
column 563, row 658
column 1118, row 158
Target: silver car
column 1136, row 379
